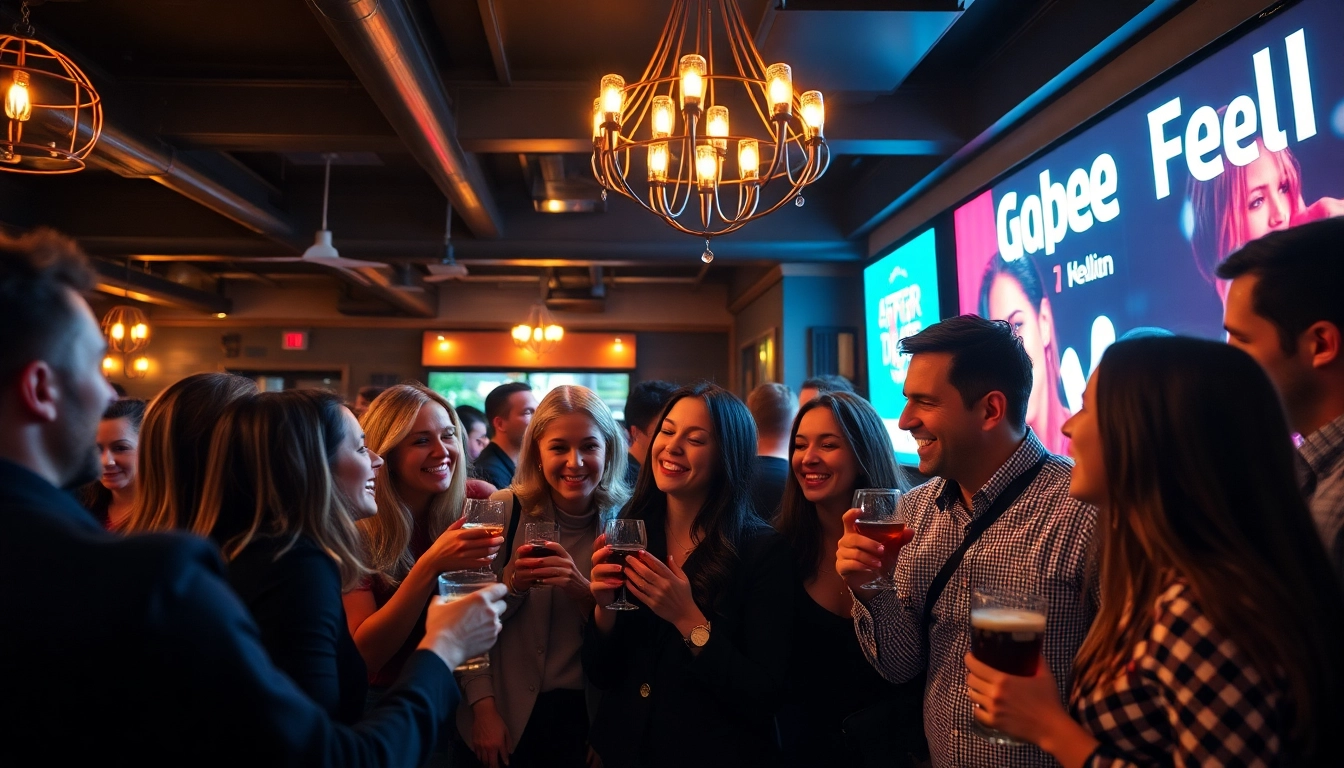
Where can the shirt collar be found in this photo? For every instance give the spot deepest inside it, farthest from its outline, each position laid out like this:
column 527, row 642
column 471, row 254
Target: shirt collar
column 1324, row 448
column 1027, row 454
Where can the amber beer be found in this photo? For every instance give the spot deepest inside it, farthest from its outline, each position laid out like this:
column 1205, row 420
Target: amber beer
column 1008, row 639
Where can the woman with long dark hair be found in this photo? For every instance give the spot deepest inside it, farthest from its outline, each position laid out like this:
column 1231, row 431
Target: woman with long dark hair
column 288, row 476
column 1218, row 640
column 838, row 445
column 111, row 497
column 693, row 677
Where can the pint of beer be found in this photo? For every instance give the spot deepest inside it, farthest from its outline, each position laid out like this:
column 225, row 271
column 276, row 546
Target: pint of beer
column 1007, row 633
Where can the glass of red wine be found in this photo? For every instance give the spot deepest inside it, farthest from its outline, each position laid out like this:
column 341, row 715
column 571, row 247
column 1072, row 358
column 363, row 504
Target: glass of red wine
column 1007, row 633
column 882, row 520
column 625, row 537
column 539, row 537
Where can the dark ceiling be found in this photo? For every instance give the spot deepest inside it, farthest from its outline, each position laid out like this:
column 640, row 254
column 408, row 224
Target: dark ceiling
column 229, row 107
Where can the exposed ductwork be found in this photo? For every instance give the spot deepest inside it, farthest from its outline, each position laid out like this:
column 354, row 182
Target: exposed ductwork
column 380, row 41
column 131, row 156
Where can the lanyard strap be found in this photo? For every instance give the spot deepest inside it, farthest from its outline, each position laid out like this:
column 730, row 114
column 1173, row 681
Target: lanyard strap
column 1001, row 504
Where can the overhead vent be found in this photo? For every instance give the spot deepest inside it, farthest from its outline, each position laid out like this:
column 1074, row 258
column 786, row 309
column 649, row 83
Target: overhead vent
column 557, row 187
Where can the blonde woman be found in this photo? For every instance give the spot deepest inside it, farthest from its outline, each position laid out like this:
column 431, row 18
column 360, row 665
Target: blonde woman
column 528, row 707
column 288, row 475
column 174, row 447
column 417, row 533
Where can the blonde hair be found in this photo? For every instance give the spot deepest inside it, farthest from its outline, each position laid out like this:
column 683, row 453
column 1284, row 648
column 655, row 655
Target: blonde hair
column 174, row 448
column 529, row 483
column 387, row 535
column 269, row 475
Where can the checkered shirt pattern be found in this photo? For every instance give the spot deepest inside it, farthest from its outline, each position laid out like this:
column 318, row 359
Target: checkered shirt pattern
column 1188, row 697
column 1040, row 545
column 1323, row 487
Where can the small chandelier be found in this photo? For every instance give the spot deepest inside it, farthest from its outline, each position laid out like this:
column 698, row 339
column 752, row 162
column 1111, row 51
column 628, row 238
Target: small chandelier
column 690, row 157
column 49, row 102
column 540, row 333
column 126, row 330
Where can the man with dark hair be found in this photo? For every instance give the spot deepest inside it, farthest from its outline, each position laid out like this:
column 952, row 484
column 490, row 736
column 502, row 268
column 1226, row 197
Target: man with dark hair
column 508, row 409
column 135, row 650
column 477, row 430
column 999, row 498
column 364, row 398
column 642, row 407
column 1285, row 308
column 820, row 385
column 773, row 407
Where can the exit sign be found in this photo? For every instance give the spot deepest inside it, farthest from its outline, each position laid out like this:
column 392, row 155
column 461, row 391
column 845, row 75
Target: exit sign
column 294, row 340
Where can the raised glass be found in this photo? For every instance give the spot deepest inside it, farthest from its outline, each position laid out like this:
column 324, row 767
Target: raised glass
column 626, row 538
column 882, row 520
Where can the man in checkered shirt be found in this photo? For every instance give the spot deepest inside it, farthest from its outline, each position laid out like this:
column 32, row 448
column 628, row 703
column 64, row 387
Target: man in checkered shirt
column 1285, row 308
column 968, row 385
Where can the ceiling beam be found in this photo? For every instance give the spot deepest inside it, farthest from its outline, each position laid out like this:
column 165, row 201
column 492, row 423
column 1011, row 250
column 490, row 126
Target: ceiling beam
column 494, row 35
column 118, row 280
column 380, row 41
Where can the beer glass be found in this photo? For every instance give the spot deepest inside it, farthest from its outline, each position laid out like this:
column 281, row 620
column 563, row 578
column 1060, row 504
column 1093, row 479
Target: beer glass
column 1007, row 633
column 882, row 520
column 455, row 585
column 625, row 537
column 539, row 536
column 488, row 515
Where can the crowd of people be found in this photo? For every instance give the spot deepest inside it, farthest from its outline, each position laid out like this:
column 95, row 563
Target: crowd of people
column 223, row 575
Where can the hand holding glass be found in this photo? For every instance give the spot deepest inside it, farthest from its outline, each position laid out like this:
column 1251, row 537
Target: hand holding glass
column 455, row 585
column 626, row 538
column 486, row 515
column 539, row 536
column 1007, row 633
column 882, row 520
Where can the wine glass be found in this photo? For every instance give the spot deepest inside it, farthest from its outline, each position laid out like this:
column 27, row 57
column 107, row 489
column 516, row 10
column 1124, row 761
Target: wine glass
column 487, row 515
column 625, row 537
column 539, row 536
column 882, row 520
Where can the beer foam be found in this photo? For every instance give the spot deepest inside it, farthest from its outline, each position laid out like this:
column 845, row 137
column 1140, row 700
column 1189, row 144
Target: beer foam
column 1007, row 620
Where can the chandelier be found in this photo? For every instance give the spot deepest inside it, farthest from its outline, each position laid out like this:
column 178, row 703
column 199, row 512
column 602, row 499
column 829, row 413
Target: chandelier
column 48, row 103
column 636, row 124
column 126, row 330
column 540, row 333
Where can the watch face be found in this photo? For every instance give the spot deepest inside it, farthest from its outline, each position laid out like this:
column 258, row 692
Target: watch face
column 699, row 636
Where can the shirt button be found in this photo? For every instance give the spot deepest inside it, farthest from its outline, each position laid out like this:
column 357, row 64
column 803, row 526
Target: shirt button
column 644, row 690
column 532, row 688
column 541, row 649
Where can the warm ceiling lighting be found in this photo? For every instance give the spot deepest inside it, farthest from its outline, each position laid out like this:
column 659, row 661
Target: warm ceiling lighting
column 540, row 333
column 53, row 113
column 126, row 330
column 685, row 159
column 138, row 368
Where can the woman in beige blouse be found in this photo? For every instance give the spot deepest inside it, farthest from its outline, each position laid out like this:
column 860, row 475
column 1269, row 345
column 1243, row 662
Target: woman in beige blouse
column 528, row 708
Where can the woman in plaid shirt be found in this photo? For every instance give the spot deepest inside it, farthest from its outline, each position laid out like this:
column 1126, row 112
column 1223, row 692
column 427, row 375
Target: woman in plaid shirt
column 1218, row 640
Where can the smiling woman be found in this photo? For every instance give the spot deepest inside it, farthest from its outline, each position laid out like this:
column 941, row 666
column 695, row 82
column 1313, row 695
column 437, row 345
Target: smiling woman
column 694, row 676
column 111, row 496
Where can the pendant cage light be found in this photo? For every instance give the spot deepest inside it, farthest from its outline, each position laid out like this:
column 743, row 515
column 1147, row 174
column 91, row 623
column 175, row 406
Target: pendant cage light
column 53, row 114
column 540, row 334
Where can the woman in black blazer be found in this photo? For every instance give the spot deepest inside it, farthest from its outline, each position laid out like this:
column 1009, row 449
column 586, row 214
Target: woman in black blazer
column 693, row 677
column 288, row 475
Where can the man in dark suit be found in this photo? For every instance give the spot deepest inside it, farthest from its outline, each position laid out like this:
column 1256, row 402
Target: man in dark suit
column 509, row 409
column 642, row 408
column 135, row 650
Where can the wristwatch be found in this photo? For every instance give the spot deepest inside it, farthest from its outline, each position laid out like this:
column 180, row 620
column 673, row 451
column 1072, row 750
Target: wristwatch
column 699, row 636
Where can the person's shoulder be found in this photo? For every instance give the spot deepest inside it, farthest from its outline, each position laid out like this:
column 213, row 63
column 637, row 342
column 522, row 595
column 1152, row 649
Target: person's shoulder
column 481, row 489
column 285, row 557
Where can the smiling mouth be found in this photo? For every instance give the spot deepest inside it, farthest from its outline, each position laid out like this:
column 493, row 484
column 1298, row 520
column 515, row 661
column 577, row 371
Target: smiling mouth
column 368, row 487
column 437, row 469
column 814, row 479
column 923, row 442
column 670, row 468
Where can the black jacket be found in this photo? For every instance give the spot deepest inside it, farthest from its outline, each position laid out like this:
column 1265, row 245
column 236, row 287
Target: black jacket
column 494, row 466
column 136, row 651
column 661, row 706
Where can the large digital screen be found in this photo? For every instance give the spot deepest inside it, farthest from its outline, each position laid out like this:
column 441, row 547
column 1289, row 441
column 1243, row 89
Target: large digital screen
column 1118, row 229
column 900, row 298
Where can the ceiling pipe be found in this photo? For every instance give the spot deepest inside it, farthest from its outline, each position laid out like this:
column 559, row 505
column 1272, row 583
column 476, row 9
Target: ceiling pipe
column 380, row 41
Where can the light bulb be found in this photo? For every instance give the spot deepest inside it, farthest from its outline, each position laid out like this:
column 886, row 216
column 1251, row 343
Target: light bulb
column 17, row 104
column 597, row 119
column 521, row 333
column 139, row 331
column 118, row 331
column 716, row 124
column 658, row 162
column 613, row 97
column 554, row 333
column 109, row 363
column 748, row 159
column 706, row 165
column 664, row 116
column 692, row 70
column 141, row 364
column 814, row 113
column 780, row 79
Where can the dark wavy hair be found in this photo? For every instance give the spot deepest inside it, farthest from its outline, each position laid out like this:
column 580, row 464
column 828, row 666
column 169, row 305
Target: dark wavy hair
column 1202, row 487
column 727, row 516
column 867, row 437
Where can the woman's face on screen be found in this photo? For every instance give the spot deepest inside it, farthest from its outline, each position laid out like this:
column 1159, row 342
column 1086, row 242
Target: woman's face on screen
column 1008, row 302
column 1270, row 202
